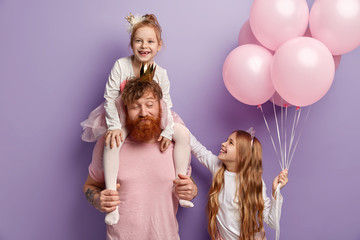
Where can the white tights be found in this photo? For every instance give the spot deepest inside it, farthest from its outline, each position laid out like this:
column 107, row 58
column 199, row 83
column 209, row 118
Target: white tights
column 111, row 168
column 182, row 155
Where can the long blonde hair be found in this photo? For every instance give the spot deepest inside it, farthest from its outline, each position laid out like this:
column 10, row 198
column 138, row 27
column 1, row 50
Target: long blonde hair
column 249, row 188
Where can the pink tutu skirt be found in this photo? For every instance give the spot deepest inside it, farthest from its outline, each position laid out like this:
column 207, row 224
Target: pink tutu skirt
column 95, row 126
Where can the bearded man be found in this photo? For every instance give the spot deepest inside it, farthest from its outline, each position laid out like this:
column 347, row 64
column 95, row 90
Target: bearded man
column 146, row 200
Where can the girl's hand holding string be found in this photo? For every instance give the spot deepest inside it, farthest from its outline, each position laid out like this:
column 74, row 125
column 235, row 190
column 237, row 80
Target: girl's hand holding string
column 281, row 179
column 112, row 136
column 165, row 143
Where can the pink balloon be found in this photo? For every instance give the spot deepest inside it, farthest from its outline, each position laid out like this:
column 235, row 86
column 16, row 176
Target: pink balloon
column 275, row 21
column 246, row 36
column 336, row 23
column 302, row 71
column 336, row 58
column 246, row 74
column 279, row 101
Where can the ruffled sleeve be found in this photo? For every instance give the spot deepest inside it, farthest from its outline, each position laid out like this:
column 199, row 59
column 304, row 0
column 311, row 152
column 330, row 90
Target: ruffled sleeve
column 272, row 209
column 112, row 92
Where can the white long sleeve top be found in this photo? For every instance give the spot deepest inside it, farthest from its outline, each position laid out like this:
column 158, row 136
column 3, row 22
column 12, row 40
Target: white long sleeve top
column 228, row 216
column 122, row 71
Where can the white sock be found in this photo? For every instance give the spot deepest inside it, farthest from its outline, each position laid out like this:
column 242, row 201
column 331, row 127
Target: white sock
column 111, row 168
column 112, row 218
column 182, row 155
column 185, row 203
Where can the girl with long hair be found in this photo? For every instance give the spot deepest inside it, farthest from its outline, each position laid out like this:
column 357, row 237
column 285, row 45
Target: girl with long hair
column 238, row 204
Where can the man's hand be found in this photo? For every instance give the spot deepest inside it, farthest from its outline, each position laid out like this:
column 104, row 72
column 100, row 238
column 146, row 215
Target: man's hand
column 103, row 200
column 112, row 136
column 185, row 187
column 165, row 143
column 108, row 200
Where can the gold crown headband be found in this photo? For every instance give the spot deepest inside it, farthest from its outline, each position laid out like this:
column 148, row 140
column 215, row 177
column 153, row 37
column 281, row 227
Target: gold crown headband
column 146, row 75
column 133, row 20
column 147, row 72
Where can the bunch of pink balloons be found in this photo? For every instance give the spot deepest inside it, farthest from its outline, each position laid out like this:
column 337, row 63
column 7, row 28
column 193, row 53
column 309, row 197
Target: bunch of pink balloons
column 287, row 53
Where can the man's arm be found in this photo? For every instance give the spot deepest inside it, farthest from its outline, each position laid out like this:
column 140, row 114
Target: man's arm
column 103, row 200
column 185, row 187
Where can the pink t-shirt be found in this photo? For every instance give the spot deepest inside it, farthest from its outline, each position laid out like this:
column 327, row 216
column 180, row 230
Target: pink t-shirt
column 148, row 204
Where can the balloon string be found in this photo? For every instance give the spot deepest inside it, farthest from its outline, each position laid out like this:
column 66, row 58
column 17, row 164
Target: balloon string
column 292, row 136
column 297, row 141
column 278, row 215
column 299, row 110
column 296, row 118
column 286, row 160
column 287, row 151
column 282, row 132
column 278, row 134
column 267, row 127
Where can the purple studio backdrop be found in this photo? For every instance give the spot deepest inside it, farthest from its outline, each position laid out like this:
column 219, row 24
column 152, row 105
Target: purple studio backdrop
column 55, row 57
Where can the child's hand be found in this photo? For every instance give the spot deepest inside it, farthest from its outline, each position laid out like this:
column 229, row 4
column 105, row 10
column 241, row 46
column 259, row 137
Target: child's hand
column 282, row 179
column 165, row 143
column 112, row 136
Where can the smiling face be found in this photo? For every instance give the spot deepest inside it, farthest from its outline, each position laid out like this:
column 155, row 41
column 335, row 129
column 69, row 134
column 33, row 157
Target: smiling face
column 229, row 153
column 145, row 45
column 146, row 106
column 143, row 118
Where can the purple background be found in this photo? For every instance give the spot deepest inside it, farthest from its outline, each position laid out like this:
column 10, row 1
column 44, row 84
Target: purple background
column 54, row 60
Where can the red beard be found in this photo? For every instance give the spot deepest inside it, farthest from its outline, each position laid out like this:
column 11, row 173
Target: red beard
column 144, row 129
